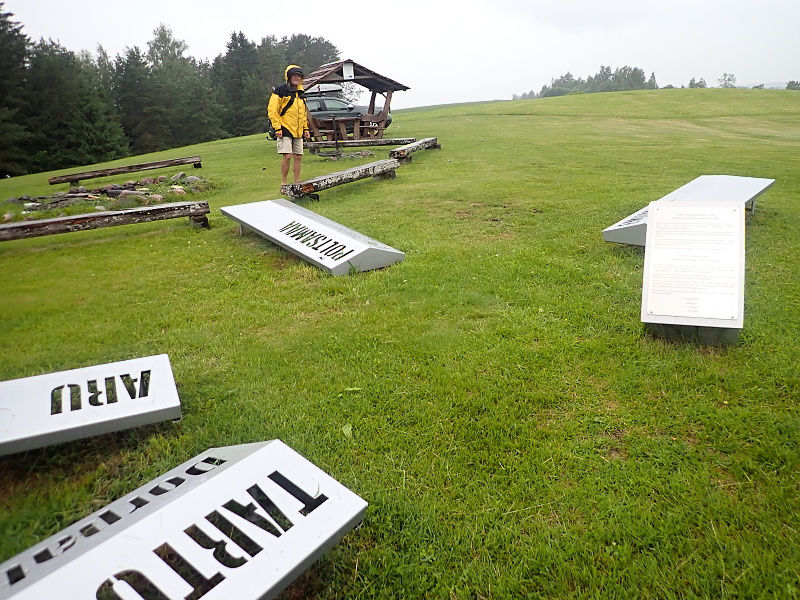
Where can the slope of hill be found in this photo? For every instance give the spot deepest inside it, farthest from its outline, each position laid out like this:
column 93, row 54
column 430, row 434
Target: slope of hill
column 493, row 397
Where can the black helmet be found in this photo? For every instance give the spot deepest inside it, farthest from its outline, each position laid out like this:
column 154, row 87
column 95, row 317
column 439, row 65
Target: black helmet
column 293, row 71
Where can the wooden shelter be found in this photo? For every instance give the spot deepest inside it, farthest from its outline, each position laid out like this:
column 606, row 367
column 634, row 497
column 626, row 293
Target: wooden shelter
column 368, row 126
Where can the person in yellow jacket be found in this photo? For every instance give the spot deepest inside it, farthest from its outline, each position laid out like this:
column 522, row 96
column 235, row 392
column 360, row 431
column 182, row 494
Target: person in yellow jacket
column 287, row 113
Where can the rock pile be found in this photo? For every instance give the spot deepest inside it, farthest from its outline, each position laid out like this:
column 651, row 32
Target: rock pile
column 146, row 191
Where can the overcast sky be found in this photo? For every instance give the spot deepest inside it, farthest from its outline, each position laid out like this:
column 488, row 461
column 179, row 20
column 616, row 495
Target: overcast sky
column 465, row 50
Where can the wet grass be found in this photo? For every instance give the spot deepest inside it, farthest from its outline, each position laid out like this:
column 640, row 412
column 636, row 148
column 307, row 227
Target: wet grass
column 494, row 397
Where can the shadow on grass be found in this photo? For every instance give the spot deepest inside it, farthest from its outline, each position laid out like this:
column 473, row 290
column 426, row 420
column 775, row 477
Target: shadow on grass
column 76, row 457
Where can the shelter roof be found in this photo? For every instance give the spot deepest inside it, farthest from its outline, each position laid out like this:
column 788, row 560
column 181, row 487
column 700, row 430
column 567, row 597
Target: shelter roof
column 335, row 73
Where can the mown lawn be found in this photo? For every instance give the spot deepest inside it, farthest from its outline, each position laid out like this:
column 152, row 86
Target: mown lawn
column 494, row 397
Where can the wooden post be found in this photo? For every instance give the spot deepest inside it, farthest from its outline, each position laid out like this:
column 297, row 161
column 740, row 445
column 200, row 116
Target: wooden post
column 403, row 153
column 314, row 147
column 75, row 177
column 196, row 211
column 324, row 182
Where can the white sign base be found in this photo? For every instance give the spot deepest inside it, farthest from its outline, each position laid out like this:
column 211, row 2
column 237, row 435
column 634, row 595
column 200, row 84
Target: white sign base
column 238, row 522
column 69, row 405
column 322, row 242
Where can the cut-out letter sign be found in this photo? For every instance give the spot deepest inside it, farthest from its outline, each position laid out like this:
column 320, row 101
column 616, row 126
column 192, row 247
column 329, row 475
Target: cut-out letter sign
column 324, row 243
column 69, row 405
column 237, row 522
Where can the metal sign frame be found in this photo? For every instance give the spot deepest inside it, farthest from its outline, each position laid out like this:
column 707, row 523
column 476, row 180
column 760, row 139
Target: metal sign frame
column 69, row 405
column 318, row 240
column 235, row 522
column 717, row 188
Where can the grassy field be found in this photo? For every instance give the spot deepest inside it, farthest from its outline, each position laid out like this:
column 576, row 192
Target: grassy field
column 494, row 397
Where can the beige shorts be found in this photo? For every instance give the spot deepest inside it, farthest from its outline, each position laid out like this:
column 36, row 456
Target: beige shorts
column 290, row 145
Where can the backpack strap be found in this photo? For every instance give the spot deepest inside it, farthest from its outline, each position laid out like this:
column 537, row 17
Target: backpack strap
column 288, row 104
column 292, row 95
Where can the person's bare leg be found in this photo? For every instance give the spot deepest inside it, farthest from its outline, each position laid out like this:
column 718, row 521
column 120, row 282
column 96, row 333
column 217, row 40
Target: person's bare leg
column 285, row 159
column 298, row 158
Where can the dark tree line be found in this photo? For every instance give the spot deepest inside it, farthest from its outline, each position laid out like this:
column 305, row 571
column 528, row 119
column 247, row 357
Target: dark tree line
column 61, row 109
column 622, row 79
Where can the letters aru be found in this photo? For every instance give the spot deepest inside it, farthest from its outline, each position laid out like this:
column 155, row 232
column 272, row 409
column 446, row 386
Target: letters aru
column 75, row 392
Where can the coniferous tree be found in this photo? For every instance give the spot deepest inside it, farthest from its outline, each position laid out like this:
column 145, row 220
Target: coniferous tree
column 247, row 73
column 60, row 109
column 94, row 132
column 52, row 97
column 255, row 95
column 271, row 61
column 201, row 118
column 230, row 73
column 144, row 116
column 308, row 52
column 183, row 86
column 14, row 135
column 70, row 116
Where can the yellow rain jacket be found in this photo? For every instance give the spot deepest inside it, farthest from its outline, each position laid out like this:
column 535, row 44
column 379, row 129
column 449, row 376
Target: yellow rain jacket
column 287, row 108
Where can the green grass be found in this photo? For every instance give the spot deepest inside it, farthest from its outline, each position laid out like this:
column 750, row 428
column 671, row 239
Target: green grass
column 494, row 397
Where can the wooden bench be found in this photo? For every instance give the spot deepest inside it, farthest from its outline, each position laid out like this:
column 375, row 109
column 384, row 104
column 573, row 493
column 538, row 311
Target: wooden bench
column 403, row 154
column 309, row 187
column 315, row 147
column 196, row 211
column 159, row 164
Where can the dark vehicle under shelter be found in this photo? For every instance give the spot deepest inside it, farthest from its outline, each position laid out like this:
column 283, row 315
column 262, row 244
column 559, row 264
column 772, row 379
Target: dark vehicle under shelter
column 333, row 119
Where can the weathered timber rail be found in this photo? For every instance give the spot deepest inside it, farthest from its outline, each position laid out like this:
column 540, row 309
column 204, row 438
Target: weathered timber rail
column 315, row 147
column 403, row 153
column 196, row 211
column 309, row 187
column 159, row 164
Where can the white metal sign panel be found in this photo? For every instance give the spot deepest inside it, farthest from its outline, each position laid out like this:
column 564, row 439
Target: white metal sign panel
column 69, row 405
column 238, row 522
column 694, row 264
column 316, row 239
column 347, row 71
column 630, row 230
column 740, row 191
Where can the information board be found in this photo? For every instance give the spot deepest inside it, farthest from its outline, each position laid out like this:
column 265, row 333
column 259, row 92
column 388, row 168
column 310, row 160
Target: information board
column 694, row 264
column 69, row 405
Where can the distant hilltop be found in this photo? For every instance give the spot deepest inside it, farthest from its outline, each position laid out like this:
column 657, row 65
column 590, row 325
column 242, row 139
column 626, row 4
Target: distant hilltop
column 774, row 85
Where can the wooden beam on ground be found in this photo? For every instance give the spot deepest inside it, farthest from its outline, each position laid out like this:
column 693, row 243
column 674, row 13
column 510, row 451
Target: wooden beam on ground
column 75, row 177
column 381, row 168
column 196, row 211
column 404, row 152
column 314, row 147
